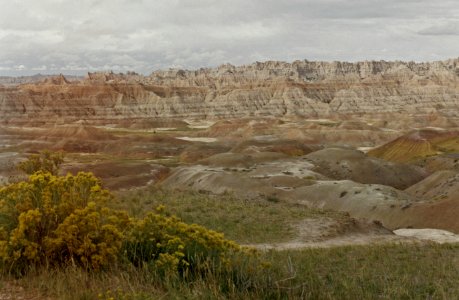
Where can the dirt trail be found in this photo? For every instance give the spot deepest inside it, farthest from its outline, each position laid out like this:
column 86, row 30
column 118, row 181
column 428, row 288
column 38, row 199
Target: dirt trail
column 311, row 235
column 345, row 240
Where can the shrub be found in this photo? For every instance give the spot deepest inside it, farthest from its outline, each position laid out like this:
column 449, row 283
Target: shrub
column 58, row 220
column 172, row 247
column 174, row 250
column 45, row 161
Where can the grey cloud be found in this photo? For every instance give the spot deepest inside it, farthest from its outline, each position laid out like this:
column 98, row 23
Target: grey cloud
column 78, row 36
column 446, row 28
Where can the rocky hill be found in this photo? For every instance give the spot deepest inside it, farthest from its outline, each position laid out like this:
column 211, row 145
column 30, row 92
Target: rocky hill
column 301, row 88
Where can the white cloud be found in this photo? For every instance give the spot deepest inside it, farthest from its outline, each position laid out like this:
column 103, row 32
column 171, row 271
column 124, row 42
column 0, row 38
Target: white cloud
column 40, row 68
column 19, row 67
column 141, row 35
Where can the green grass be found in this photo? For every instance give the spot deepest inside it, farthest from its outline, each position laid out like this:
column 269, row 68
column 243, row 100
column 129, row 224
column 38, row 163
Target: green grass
column 76, row 283
column 395, row 271
column 428, row 271
column 254, row 221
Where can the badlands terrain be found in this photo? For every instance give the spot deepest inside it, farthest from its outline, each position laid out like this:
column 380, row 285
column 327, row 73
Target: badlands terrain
column 367, row 151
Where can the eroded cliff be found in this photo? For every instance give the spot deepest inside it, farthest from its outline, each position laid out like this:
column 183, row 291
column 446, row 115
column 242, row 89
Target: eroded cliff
column 301, row 88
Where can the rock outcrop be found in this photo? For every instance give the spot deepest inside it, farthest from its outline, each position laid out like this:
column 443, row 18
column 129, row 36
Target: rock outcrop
column 301, row 88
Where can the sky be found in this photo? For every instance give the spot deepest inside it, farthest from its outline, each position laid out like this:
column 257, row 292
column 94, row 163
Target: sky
column 74, row 37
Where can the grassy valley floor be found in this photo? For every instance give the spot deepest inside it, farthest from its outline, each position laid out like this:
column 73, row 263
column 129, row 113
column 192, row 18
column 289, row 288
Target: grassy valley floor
column 375, row 271
column 394, row 271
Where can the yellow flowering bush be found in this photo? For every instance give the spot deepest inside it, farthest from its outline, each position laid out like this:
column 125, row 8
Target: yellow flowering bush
column 91, row 236
column 59, row 220
column 172, row 247
column 44, row 161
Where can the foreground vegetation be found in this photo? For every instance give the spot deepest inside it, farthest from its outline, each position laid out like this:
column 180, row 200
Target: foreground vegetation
column 68, row 238
column 51, row 222
column 426, row 271
column 245, row 221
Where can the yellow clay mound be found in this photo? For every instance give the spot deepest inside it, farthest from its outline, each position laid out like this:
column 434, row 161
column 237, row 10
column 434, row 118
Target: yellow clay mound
column 417, row 144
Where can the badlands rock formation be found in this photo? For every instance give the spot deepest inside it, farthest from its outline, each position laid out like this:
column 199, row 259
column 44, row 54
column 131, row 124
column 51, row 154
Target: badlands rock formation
column 301, row 88
column 376, row 140
column 340, row 164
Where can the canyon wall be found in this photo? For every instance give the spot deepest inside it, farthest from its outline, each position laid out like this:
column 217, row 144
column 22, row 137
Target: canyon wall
column 301, row 88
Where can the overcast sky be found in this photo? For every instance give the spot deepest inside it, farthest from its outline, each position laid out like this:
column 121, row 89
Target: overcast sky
column 73, row 37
